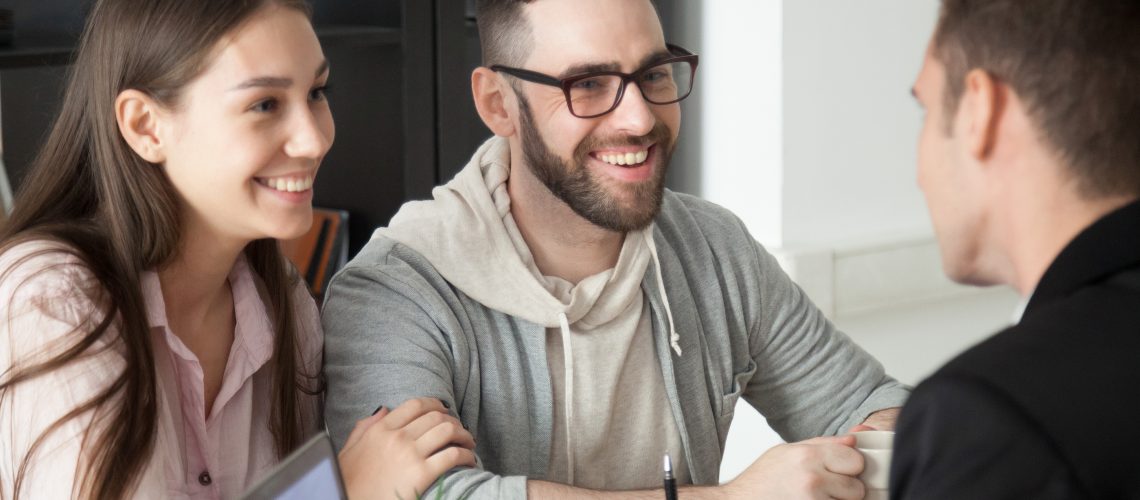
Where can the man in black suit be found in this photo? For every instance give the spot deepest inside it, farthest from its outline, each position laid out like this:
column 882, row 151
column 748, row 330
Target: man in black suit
column 1030, row 162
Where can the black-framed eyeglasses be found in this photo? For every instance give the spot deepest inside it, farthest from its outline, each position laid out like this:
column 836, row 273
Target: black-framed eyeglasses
column 593, row 94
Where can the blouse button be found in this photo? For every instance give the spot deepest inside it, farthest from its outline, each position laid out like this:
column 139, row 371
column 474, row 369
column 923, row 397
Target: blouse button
column 204, row 478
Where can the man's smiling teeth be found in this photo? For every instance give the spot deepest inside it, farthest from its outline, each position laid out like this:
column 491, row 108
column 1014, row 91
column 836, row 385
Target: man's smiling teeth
column 288, row 184
column 625, row 158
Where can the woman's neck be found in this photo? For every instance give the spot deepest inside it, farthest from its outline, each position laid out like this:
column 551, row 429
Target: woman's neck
column 198, row 271
column 200, row 303
column 194, row 282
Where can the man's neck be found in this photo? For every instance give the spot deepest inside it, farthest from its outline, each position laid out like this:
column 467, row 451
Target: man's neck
column 1048, row 226
column 563, row 244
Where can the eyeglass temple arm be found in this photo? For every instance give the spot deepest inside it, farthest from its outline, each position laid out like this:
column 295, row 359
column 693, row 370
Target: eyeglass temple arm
column 530, row 76
column 678, row 50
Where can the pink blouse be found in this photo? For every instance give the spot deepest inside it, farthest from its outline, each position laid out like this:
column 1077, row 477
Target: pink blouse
column 43, row 300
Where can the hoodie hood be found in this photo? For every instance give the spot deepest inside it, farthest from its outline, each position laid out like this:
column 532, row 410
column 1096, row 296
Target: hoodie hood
column 468, row 234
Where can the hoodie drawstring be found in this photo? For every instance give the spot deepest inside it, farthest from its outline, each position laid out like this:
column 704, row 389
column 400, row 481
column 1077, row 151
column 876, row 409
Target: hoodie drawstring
column 568, row 404
column 568, row 355
column 674, row 338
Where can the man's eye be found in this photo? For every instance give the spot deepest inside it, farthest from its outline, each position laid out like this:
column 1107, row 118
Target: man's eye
column 654, row 76
column 586, row 84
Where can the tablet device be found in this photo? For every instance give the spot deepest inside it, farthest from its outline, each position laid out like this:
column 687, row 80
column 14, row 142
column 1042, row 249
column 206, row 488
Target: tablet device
column 310, row 472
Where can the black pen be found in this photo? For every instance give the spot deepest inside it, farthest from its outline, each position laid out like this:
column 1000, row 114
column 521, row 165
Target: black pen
column 670, row 484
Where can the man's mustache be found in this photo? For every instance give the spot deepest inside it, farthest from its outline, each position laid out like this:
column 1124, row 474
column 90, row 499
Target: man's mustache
column 659, row 135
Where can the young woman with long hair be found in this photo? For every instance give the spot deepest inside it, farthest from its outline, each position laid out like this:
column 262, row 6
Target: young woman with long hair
column 154, row 342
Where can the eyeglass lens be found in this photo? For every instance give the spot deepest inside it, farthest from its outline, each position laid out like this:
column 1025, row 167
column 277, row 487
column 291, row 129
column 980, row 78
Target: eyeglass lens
column 662, row 84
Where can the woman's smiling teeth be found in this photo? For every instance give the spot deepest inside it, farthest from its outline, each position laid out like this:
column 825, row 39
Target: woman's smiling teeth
column 287, row 184
column 624, row 158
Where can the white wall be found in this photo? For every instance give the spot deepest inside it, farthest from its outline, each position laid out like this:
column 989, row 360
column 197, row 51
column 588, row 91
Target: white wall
column 808, row 126
column 808, row 133
column 850, row 123
column 740, row 77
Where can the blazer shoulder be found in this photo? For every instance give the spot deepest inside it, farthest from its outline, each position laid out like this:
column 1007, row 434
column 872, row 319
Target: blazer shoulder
column 961, row 437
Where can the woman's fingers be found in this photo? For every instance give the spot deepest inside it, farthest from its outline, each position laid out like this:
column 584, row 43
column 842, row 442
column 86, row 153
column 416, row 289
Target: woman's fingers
column 449, row 458
column 447, row 433
column 426, row 422
column 411, row 410
column 362, row 426
column 405, row 450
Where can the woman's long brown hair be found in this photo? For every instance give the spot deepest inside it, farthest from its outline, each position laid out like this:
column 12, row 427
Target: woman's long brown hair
column 119, row 215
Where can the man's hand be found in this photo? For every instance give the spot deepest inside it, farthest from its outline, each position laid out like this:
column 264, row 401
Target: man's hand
column 817, row 468
column 882, row 420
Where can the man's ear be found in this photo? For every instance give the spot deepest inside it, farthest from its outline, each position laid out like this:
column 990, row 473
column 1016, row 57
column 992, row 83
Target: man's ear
column 982, row 104
column 491, row 93
column 138, row 116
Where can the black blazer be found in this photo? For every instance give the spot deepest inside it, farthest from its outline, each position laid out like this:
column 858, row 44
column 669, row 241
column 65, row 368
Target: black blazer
column 1049, row 408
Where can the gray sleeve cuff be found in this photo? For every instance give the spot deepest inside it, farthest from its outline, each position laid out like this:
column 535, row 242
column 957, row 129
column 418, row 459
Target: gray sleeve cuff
column 889, row 394
column 475, row 484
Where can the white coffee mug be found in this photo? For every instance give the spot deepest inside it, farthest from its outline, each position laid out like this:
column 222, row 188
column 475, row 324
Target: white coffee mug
column 875, row 446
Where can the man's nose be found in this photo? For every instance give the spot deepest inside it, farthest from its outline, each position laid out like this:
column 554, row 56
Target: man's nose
column 633, row 115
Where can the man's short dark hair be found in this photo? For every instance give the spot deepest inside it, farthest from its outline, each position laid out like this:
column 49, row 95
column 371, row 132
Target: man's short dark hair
column 1076, row 66
column 504, row 32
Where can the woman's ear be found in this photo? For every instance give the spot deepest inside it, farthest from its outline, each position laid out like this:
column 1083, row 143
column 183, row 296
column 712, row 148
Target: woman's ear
column 139, row 117
column 491, row 93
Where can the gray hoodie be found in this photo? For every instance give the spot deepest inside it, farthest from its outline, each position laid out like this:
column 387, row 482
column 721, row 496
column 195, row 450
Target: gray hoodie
column 609, row 390
column 446, row 302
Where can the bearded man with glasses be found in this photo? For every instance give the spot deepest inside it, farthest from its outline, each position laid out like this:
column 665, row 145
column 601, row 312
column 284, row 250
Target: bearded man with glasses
column 579, row 318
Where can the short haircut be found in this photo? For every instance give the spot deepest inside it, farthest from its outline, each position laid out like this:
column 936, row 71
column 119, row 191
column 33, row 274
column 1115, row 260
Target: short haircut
column 504, row 32
column 1076, row 66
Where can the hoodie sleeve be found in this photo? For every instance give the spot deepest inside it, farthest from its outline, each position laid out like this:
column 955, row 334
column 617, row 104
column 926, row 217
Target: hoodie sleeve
column 390, row 337
column 811, row 379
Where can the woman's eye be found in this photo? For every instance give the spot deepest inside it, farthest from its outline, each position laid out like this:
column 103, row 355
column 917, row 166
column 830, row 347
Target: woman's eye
column 266, row 106
column 319, row 94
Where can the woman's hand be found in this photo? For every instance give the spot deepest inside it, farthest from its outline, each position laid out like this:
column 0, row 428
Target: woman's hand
column 399, row 454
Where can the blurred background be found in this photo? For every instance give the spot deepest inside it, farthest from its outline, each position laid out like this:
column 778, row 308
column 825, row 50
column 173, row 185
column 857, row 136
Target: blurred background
column 801, row 122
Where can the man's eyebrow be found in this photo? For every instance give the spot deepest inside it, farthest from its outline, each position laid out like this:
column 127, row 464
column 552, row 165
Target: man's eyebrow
column 579, row 69
column 660, row 55
column 914, row 93
column 277, row 82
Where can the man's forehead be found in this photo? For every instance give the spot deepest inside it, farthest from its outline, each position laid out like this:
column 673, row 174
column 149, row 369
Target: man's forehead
column 578, row 33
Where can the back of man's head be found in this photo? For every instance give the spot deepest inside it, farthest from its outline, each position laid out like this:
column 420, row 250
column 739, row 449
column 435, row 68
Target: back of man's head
column 1076, row 66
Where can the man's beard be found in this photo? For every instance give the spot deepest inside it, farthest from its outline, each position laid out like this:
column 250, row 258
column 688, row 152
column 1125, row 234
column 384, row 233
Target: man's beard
column 580, row 188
